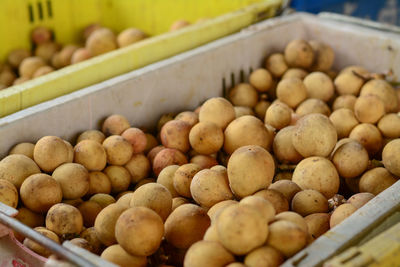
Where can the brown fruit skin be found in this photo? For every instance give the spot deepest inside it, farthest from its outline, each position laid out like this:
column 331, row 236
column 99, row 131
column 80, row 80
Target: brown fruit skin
column 243, row 95
column 344, row 101
column 91, row 155
column 139, row 231
column 101, row 41
column 369, row 136
column 8, row 193
column 32, row 245
column 286, row 237
column 369, row 109
column 130, row 36
column 243, row 181
column 206, row 138
column 324, row 56
column 389, row 125
column 16, row 56
column 376, row 180
column 309, row 201
column 139, row 167
column 115, row 125
column 119, row 151
column 319, row 86
column 277, row 199
column 313, row 105
column 64, row 219
column 360, row 199
column 104, row 224
column 315, row 135
column 264, row 256
column 341, row 213
column 116, row 254
column 276, row 64
column 186, row 225
column 39, row 192
column 288, row 188
column 47, row 50
column 220, row 106
column 344, row 121
column 317, row 173
column 207, row 253
column 283, row 148
column 183, row 177
column 89, row 211
column 384, row 91
column 50, row 152
column 89, row 234
column 318, row 224
column 166, row 157
column 73, row 179
column 204, row 161
column 41, row 35
column 16, row 168
column 175, row 134
column 350, row 159
column 81, row 54
column 348, row 83
column 296, row 73
column 261, row 80
column 291, row 91
column 278, row 115
column 391, row 157
column 179, row 24
column 246, row 130
column 7, row 78
column 299, row 53
column 137, row 138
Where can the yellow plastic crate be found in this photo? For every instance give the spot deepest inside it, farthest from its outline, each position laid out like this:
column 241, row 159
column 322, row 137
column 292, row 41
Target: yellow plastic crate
column 67, row 18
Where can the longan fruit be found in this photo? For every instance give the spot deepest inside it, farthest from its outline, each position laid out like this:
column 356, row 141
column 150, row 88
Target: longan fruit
column 188, row 116
column 217, row 110
column 39, row 249
column 278, row 115
column 90, row 154
column 357, row 69
column 317, row 173
column 344, row 101
column 390, row 157
column 369, row 109
column 389, row 125
column 63, row 58
column 73, row 179
column 104, row 224
column 116, row 254
column 102, row 199
column 384, row 91
column 101, row 41
column 309, row 201
column 295, row 73
column 376, row 180
column 360, row 199
column 263, row 256
column 119, row 176
column 276, row 64
column 175, row 134
column 261, row 108
column 206, row 138
column 236, row 229
column 16, row 168
column 179, row 24
column 283, row 148
column 153, row 196
column 16, row 56
column 94, row 135
column 186, row 225
column 42, row 71
column 246, row 130
column 314, row 135
column 80, row 54
column 369, row 136
column 207, row 253
column 344, row 121
column 204, row 180
column 324, row 56
column 313, row 105
column 139, row 231
column 151, row 142
column 8, row 193
column 99, row 182
column 89, row 234
column 50, row 152
column 178, row 201
column 89, row 210
column 261, row 79
column 215, row 210
column 293, row 217
column 64, row 220
column 291, row 91
column 41, row 35
column 166, row 157
column 286, row 237
column 263, row 206
column 243, row 95
column 246, row 181
column 47, row 50
column 243, row 111
column 119, row 151
column 341, row 213
column 286, row 187
column 7, row 78
column 348, row 83
column 319, row 86
column 130, row 36
column 277, row 199
column 139, row 167
column 39, row 192
column 166, row 178
column 20, row 80
column 115, row 125
column 183, row 177
column 317, row 224
column 350, row 159
column 299, row 53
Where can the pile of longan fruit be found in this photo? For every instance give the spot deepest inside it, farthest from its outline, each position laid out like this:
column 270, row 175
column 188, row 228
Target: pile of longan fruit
column 245, row 181
column 47, row 56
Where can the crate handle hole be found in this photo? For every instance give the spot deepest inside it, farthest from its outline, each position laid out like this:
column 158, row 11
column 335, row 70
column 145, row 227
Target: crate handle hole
column 49, row 9
column 40, row 10
column 30, row 11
